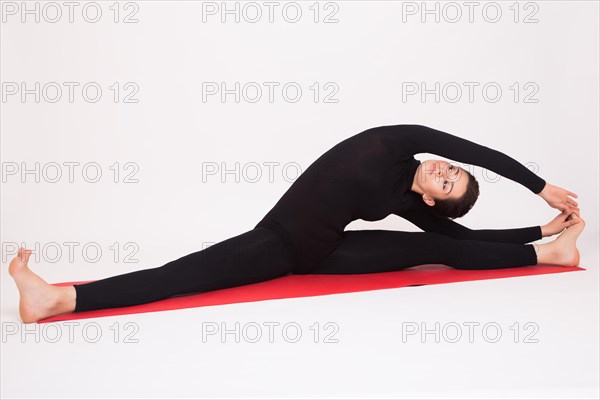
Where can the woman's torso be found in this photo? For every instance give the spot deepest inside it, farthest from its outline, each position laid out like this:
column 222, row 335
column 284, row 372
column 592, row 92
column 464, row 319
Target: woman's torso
column 355, row 179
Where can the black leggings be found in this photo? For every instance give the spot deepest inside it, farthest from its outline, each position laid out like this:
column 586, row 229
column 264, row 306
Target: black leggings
column 260, row 254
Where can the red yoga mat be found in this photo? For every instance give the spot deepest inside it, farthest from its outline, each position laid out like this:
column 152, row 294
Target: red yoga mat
column 291, row 286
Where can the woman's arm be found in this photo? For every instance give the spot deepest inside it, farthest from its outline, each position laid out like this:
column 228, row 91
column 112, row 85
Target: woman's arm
column 404, row 141
column 428, row 221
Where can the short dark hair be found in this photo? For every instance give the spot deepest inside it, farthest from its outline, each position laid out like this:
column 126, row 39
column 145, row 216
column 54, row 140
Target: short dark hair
column 456, row 208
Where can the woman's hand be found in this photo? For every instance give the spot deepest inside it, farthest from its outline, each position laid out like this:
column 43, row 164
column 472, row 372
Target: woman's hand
column 559, row 223
column 557, row 197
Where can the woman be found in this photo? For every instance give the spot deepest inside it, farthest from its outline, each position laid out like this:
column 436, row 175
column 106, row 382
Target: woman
column 367, row 176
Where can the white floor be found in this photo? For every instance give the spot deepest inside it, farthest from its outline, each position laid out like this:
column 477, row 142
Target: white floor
column 350, row 345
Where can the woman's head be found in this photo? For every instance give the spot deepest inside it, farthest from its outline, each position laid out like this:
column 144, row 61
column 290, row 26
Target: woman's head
column 450, row 190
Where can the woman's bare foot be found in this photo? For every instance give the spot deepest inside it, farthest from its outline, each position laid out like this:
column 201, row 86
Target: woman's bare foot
column 563, row 250
column 39, row 299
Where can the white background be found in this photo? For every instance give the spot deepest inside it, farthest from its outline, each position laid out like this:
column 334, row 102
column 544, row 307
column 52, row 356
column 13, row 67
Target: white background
column 170, row 133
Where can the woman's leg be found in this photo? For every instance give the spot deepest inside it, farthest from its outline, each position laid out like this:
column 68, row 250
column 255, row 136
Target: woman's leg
column 254, row 256
column 369, row 251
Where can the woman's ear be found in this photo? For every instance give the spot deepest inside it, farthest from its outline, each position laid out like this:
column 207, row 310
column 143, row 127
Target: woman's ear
column 428, row 200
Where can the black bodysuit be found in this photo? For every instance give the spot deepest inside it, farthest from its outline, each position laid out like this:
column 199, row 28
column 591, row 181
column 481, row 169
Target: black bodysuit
column 369, row 176
column 366, row 176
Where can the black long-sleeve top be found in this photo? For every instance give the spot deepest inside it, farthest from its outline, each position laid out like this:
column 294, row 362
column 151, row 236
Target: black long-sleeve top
column 369, row 176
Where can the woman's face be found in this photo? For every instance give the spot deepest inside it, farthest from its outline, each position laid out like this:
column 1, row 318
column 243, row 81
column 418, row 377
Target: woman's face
column 438, row 179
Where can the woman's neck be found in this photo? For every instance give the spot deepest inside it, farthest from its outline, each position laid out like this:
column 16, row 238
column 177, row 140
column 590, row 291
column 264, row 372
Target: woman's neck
column 415, row 183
